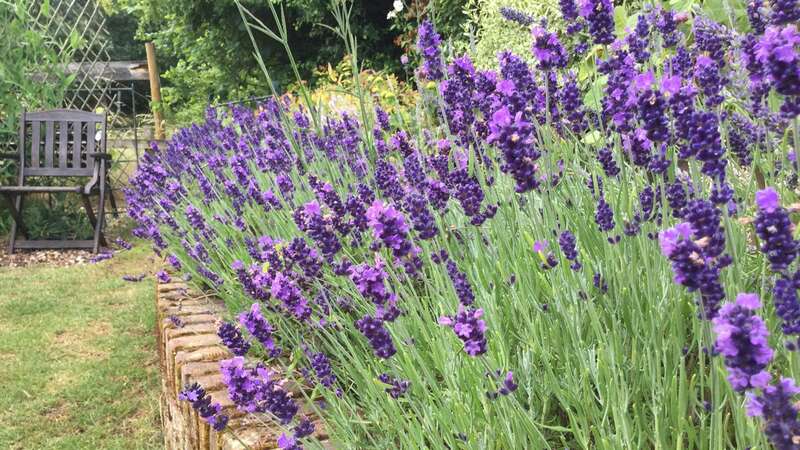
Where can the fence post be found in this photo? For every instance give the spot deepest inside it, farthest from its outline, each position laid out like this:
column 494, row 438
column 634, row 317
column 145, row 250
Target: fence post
column 155, row 89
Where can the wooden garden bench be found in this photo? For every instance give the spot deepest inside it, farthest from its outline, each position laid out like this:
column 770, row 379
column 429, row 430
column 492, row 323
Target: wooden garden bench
column 54, row 145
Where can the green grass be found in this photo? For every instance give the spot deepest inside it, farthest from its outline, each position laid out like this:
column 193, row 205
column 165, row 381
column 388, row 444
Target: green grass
column 78, row 367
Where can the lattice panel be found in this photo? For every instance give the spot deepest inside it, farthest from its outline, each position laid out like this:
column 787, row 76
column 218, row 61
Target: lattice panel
column 66, row 21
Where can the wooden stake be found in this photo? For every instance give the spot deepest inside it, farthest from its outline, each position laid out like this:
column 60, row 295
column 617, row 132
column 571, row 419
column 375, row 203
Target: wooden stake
column 155, row 89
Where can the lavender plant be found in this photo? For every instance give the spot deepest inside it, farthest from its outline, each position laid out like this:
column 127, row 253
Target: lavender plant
column 400, row 271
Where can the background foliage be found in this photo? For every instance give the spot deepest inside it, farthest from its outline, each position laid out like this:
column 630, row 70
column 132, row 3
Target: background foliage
column 28, row 57
column 29, row 79
column 493, row 33
column 205, row 54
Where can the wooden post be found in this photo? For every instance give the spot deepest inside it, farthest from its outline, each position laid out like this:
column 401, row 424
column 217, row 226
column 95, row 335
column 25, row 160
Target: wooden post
column 155, row 89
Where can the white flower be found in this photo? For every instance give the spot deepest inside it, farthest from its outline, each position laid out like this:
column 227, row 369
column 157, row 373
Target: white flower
column 398, row 5
column 392, row 14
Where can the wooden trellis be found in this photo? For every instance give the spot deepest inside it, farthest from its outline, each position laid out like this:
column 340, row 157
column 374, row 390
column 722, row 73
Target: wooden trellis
column 67, row 22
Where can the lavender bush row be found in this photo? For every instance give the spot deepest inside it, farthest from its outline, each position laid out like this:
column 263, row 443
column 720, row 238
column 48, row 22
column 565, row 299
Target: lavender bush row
column 546, row 258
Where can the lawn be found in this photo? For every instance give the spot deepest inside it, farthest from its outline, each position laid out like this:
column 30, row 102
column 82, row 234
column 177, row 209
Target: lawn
column 78, row 368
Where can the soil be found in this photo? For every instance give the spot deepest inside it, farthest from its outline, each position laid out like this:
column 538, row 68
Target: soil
column 54, row 258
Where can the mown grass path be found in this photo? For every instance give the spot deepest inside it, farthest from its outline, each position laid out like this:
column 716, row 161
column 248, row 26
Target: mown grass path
column 78, row 368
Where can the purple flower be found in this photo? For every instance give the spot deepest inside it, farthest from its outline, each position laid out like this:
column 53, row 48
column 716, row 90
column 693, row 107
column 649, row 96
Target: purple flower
column 548, row 49
column 775, row 229
column 469, row 327
column 639, row 147
column 606, row 158
column 102, row 256
column 509, row 385
column 681, row 104
column 320, row 228
column 253, row 390
column 600, row 16
column 569, row 10
column 163, row 277
column 668, row 239
column 706, row 73
column 604, row 215
column 572, row 103
column 676, row 198
column 389, row 227
column 756, row 16
column 305, row 427
column 201, row 402
column 370, row 282
column 705, row 143
column 639, row 39
column 387, row 180
column 568, row 245
column 123, row 243
column 777, row 52
column 288, row 443
column 785, row 12
column 467, row 190
column 515, row 15
column 693, row 266
column 397, row 387
column 174, row 262
column 379, row 338
column 512, row 135
column 255, row 323
column 285, row 289
column 321, row 366
column 600, row 282
column 424, row 224
column 653, row 114
column 428, row 42
column 742, row 340
column 285, row 186
column 787, row 305
column 776, row 406
column 667, row 25
column 742, row 136
column 460, row 283
column 706, row 220
column 176, row 321
column 232, row 338
column 195, row 219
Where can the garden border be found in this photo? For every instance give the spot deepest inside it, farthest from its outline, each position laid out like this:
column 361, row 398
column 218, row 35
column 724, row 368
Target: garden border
column 190, row 351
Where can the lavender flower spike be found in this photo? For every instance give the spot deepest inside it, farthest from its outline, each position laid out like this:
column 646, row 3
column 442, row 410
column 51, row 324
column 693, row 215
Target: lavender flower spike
column 428, row 42
column 201, row 402
column 777, row 407
column 742, row 340
column 775, row 229
column 469, row 327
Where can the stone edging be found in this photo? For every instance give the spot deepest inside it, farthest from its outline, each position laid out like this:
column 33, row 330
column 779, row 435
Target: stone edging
column 191, row 353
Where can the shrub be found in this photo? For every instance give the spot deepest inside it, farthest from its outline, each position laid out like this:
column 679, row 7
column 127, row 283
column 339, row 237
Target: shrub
column 525, row 269
column 206, row 55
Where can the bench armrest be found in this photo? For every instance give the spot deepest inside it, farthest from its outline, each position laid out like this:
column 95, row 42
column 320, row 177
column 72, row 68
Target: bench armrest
column 98, row 155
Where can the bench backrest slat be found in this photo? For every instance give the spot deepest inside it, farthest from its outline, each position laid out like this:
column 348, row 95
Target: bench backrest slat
column 36, row 143
column 77, row 133
column 63, row 140
column 49, row 143
column 57, row 143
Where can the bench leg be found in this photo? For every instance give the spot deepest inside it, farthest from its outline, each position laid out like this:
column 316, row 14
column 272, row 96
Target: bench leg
column 113, row 201
column 98, row 229
column 94, row 221
column 15, row 203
